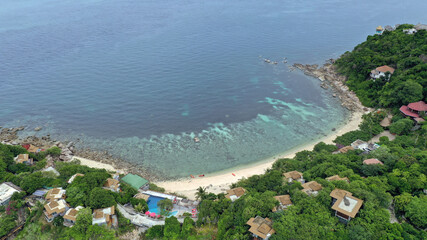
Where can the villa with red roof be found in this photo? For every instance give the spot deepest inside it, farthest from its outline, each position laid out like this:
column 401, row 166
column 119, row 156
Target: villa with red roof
column 380, row 72
column 414, row 110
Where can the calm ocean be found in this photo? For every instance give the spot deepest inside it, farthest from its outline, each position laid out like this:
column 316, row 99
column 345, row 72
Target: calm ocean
column 141, row 79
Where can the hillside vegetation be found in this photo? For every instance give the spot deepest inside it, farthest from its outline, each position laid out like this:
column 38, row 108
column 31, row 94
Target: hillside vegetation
column 407, row 53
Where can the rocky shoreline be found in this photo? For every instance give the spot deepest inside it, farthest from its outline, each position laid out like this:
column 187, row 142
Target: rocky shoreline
column 329, row 77
column 11, row 136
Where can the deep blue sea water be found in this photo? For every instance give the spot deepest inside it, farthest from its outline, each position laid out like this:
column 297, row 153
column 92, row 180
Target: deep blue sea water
column 142, row 78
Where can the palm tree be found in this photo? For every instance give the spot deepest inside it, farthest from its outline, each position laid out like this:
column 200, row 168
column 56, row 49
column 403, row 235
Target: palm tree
column 201, row 193
column 165, row 204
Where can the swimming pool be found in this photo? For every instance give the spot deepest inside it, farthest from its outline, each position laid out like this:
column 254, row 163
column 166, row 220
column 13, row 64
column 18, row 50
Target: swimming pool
column 152, row 205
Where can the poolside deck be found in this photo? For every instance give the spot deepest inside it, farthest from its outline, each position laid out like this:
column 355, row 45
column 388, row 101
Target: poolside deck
column 141, row 220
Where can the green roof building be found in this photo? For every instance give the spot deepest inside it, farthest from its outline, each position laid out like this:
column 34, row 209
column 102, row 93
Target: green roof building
column 135, row 181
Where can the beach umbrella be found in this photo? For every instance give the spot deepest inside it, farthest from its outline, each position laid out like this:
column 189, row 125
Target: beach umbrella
column 159, row 216
column 152, row 214
column 147, row 213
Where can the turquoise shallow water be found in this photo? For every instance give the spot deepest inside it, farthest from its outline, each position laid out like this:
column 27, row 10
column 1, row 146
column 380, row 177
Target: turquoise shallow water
column 141, row 79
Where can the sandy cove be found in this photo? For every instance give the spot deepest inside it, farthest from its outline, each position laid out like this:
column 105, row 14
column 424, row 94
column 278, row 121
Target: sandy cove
column 220, row 182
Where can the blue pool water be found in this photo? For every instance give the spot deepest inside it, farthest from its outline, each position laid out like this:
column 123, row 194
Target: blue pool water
column 152, row 205
column 141, row 79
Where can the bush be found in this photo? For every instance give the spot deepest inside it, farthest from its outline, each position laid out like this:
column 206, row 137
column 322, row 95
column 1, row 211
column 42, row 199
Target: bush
column 348, row 138
column 324, row 147
column 402, row 126
column 54, row 151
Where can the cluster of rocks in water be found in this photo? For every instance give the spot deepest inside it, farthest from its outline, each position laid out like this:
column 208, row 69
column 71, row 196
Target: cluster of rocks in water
column 329, row 77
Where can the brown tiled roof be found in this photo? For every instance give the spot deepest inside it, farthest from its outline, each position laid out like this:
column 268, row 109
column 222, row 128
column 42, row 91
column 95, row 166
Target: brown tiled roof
column 71, row 214
column 51, row 193
column 33, row 149
column 385, row 68
column 313, row 185
column 293, row 174
column 386, row 122
column 337, row 178
column 52, row 207
column 372, row 161
column 346, row 149
column 22, row 158
column 261, row 227
column 142, row 196
column 235, row 191
column 112, row 183
column 284, row 199
column 340, row 195
column 99, row 213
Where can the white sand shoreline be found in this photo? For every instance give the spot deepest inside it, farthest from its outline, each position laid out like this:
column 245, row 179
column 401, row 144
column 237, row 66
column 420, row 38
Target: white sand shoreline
column 220, row 181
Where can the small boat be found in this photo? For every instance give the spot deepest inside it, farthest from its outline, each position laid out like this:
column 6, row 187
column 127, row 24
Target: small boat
column 196, row 139
column 191, row 175
column 233, row 174
column 201, row 175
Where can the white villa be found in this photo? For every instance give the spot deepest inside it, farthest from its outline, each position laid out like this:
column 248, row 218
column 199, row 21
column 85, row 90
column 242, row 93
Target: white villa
column 7, row 189
column 381, row 71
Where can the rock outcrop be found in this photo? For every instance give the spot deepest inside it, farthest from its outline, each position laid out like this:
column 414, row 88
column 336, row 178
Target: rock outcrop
column 329, row 76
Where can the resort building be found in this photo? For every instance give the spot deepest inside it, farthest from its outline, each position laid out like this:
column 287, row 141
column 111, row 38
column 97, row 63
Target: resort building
column 415, row 110
column 293, row 176
column 345, row 205
column 311, row 188
column 70, row 216
column 31, row 148
column 381, row 72
column 55, row 194
column 112, row 184
column 23, row 158
column 235, row 193
column 7, row 189
column 372, row 161
column 74, row 177
column 55, row 208
column 364, row 146
column 136, row 181
column 344, row 150
column 284, row 202
column 337, row 178
column 261, row 228
column 410, row 31
column 105, row 216
column 379, row 30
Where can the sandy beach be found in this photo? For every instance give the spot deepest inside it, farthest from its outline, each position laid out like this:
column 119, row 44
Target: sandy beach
column 220, row 182
column 95, row 164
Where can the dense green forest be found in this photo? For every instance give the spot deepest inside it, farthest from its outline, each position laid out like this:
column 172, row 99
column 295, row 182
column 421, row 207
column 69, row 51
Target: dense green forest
column 406, row 53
